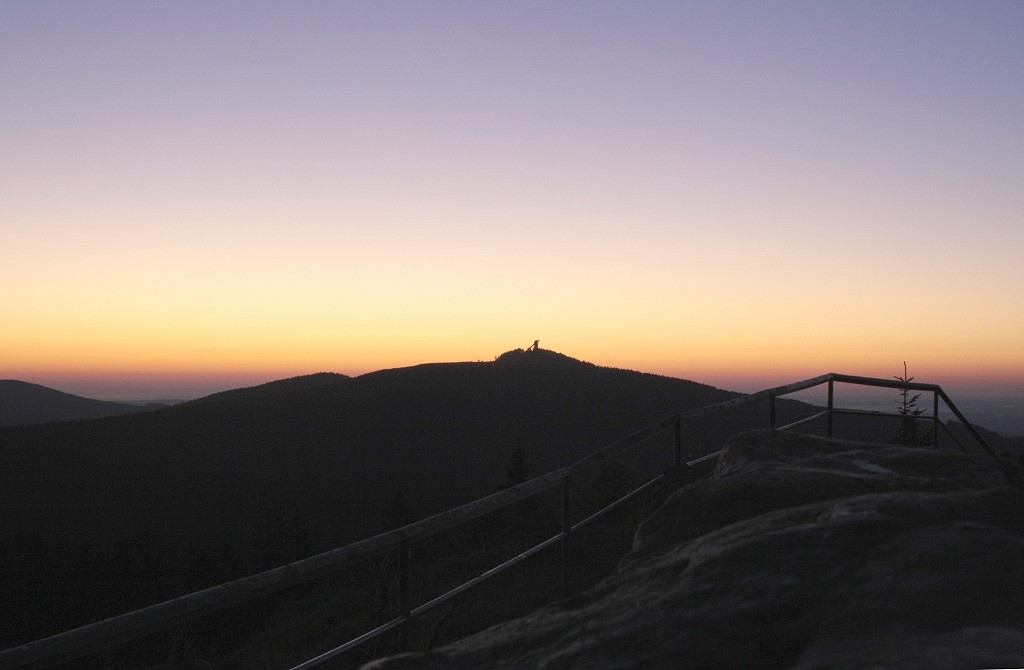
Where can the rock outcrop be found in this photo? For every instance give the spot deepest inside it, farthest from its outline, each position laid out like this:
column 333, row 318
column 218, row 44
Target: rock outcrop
column 799, row 552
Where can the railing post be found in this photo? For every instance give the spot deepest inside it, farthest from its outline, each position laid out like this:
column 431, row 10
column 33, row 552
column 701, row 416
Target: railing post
column 831, row 395
column 771, row 410
column 566, row 529
column 679, row 442
column 935, row 419
column 405, row 586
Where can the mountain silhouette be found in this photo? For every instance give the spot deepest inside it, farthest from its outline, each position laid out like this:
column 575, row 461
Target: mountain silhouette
column 336, row 446
column 22, row 403
column 113, row 513
column 106, row 515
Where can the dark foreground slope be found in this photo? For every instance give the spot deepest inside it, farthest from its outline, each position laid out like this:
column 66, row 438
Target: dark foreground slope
column 798, row 553
column 22, row 403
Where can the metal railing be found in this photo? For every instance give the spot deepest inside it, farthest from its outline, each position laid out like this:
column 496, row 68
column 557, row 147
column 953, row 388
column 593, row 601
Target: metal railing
column 91, row 638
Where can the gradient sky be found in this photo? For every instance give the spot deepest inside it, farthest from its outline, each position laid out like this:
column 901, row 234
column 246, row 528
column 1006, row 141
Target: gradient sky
column 198, row 196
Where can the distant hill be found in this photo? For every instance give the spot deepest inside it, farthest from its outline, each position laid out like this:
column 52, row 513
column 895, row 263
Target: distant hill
column 22, row 403
column 1000, row 444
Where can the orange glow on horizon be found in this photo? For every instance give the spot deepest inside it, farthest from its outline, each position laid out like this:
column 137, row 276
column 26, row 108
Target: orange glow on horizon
column 220, row 367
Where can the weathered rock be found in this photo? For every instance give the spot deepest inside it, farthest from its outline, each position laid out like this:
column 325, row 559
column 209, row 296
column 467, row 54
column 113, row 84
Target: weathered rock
column 798, row 552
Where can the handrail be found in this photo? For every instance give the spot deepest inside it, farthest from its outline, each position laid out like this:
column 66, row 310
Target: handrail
column 916, row 386
column 78, row 642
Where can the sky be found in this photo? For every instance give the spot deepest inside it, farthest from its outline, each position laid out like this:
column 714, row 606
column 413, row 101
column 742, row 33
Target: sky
column 199, row 196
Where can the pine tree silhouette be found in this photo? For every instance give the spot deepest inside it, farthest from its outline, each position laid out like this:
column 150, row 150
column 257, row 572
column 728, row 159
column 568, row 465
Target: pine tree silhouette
column 909, row 411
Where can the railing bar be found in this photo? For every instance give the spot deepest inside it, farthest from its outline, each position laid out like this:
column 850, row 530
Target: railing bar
column 953, row 437
column 804, row 420
column 99, row 635
column 706, row 457
column 967, row 424
column 630, row 440
column 417, row 611
column 608, row 508
column 877, row 412
column 655, row 428
column 786, row 389
column 355, row 642
column 430, row 604
column 882, row 383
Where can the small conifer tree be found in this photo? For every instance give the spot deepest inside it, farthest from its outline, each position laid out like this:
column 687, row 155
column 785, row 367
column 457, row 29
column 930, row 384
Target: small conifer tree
column 524, row 514
column 908, row 410
column 518, row 471
column 398, row 513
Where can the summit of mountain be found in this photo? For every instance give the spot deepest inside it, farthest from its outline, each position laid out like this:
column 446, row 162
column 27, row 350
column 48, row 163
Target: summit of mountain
column 534, row 372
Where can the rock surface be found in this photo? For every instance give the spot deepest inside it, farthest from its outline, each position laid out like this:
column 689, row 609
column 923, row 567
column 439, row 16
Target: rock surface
column 799, row 552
